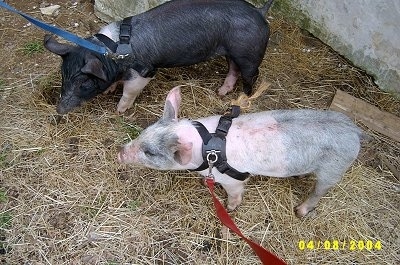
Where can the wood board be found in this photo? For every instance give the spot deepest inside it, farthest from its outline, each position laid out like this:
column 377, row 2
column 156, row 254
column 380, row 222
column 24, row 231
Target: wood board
column 375, row 119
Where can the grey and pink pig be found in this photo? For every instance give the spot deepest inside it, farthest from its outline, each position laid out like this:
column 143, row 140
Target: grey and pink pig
column 277, row 143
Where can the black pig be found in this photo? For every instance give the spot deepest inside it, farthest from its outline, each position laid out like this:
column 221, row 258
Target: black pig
column 177, row 33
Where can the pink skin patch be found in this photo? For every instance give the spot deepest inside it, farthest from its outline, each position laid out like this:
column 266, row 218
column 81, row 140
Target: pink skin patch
column 230, row 79
column 132, row 89
column 256, row 146
column 272, row 127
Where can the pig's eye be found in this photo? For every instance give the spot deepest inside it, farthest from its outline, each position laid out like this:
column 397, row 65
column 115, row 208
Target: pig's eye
column 149, row 153
column 88, row 84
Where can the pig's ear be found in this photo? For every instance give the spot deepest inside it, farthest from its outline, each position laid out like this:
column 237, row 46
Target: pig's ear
column 184, row 153
column 172, row 103
column 94, row 67
column 54, row 46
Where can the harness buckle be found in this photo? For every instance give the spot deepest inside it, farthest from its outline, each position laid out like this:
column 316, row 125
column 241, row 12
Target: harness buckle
column 116, row 57
column 124, row 49
column 122, row 56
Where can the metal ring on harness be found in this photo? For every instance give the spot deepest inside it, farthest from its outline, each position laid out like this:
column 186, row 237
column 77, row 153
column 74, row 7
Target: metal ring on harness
column 212, row 153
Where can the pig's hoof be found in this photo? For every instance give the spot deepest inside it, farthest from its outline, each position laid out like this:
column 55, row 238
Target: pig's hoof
column 124, row 104
column 225, row 233
column 108, row 90
column 222, row 91
column 111, row 88
column 121, row 110
column 231, row 207
column 301, row 211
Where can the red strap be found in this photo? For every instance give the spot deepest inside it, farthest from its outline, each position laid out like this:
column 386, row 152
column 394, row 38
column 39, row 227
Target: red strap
column 265, row 256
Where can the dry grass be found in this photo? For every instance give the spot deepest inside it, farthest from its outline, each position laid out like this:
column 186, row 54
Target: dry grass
column 68, row 201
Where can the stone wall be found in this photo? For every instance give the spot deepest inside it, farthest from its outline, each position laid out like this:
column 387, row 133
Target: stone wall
column 364, row 31
column 112, row 10
column 109, row 10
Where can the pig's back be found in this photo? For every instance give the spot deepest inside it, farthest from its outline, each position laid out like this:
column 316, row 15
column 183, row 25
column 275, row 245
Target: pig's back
column 302, row 121
column 306, row 122
column 184, row 32
column 291, row 142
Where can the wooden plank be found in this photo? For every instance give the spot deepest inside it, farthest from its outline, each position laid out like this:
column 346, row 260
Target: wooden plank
column 392, row 168
column 375, row 119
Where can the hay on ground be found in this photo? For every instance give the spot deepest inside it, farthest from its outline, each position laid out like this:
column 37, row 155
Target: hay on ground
column 64, row 199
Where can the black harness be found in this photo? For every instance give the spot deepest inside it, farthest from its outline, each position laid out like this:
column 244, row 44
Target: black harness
column 124, row 50
column 214, row 145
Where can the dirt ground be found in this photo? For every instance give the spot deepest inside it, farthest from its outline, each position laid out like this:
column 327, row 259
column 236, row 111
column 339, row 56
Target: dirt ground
column 64, row 199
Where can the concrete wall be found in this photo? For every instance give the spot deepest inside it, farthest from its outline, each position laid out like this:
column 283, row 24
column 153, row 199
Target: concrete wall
column 366, row 32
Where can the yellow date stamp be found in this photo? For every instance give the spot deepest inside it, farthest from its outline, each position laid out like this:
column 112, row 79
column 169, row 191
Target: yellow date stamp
column 351, row 245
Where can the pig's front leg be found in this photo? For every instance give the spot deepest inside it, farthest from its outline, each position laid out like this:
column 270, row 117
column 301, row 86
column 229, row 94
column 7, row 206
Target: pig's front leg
column 132, row 89
column 235, row 189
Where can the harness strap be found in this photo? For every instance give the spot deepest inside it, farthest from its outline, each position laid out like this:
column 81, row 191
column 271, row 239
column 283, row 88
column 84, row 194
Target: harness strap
column 217, row 142
column 124, row 48
column 225, row 121
column 112, row 45
column 125, row 31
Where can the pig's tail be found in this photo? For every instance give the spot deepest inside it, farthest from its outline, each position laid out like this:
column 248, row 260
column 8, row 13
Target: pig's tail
column 244, row 102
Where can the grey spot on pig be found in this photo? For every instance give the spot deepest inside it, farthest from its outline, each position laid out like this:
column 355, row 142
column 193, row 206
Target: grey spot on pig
column 278, row 143
column 176, row 33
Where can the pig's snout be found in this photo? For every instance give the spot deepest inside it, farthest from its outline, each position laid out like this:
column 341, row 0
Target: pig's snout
column 65, row 105
column 62, row 109
column 126, row 154
column 121, row 156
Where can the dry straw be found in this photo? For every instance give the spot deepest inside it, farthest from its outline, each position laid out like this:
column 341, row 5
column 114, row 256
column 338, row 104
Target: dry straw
column 64, row 199
column 244, row 102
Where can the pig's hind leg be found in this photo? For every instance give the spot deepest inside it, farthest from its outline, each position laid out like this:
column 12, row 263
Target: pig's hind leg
column 249, row 70
column 326, row 179
column 249, row 77
column 230, row 79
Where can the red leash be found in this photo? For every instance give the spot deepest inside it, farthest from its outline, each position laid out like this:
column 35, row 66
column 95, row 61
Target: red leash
column 266, row 257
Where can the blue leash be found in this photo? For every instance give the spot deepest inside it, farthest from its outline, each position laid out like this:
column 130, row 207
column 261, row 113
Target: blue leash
column 62, row 33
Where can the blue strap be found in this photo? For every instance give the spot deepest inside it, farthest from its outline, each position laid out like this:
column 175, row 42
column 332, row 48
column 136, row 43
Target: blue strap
column 62, row 33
